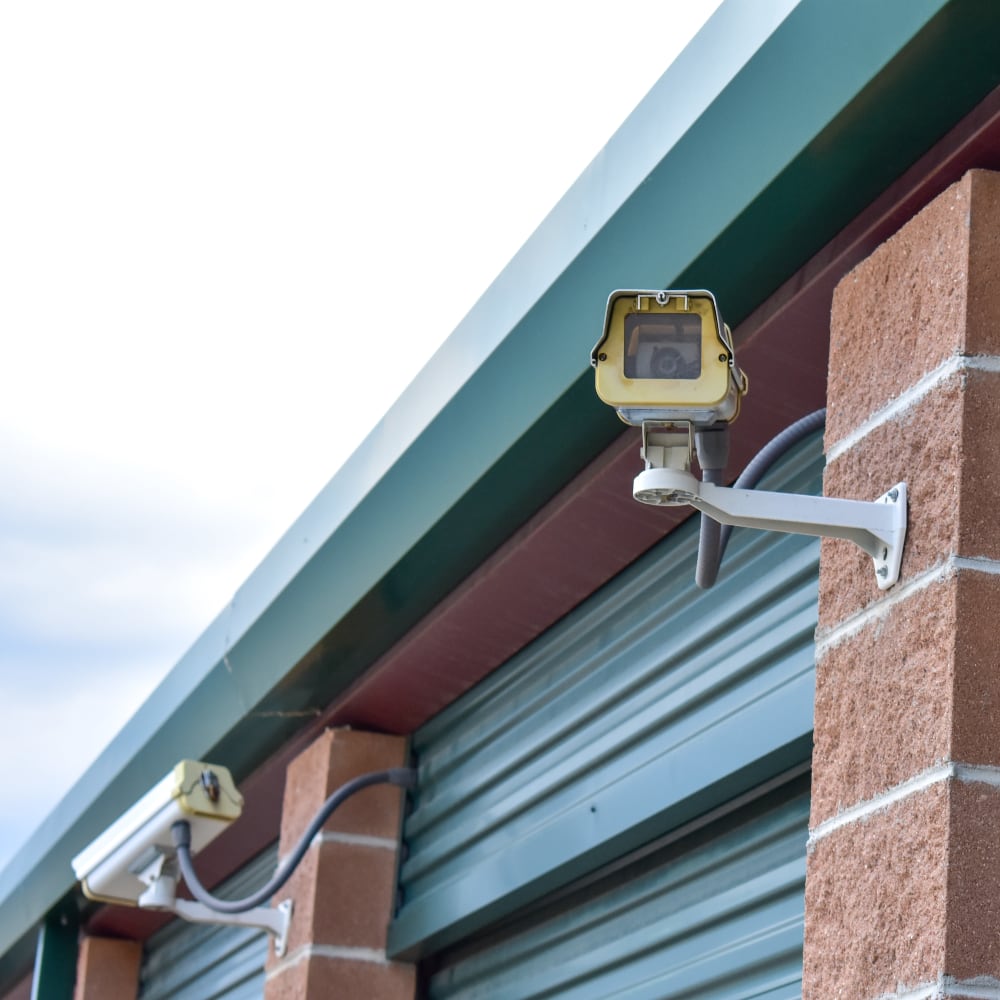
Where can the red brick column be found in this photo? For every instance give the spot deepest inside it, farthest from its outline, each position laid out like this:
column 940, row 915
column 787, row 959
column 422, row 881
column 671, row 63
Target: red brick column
column 107, row 967
column 903, row 884
column 344, row 889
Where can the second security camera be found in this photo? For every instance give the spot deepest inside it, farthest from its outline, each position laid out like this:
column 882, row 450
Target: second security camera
column 111, row 868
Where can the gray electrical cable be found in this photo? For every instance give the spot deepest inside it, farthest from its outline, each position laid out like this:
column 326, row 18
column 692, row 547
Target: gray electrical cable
column 710, row 560
column 712, row 445
column 404, row 777
column 709, row 539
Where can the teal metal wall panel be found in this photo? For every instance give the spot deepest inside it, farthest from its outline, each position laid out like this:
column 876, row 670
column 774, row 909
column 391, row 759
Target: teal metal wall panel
column 54, row 976
column 716, row 914
column 207, row 962
column 649, row 705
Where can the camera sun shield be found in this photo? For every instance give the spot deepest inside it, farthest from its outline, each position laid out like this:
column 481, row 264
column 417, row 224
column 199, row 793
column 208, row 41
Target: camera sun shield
column 666, row 356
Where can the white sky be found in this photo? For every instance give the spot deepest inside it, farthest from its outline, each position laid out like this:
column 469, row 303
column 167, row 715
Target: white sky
column 196, row 200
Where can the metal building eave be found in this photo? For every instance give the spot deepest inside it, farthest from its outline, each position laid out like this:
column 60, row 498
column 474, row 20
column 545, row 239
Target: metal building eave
column 730, row 180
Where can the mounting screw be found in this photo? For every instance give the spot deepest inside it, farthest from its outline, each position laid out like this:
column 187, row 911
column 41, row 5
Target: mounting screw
column 883, row 571
column 893, row 495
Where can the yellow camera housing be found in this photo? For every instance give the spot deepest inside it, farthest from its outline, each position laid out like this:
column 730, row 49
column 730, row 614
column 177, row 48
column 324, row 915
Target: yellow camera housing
column 666, row 356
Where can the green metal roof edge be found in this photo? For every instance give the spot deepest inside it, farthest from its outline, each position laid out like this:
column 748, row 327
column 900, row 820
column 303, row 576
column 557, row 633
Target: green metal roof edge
column 693, row 183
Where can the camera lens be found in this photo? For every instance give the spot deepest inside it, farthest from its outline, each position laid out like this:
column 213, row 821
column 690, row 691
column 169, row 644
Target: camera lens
column 666, row 362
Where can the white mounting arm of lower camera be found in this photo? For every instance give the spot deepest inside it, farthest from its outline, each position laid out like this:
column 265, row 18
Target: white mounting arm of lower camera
column 161, row 878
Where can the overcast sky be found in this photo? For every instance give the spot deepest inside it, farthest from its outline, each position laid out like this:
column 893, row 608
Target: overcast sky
column 196, row 202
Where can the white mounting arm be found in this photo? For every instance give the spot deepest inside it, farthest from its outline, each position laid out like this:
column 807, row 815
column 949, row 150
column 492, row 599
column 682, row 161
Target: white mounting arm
column 162, row 895
column 878, row 527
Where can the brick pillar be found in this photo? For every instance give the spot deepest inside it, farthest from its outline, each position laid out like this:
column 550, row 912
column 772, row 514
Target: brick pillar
column 903, row 884
column 344, row 889
column 107, row 967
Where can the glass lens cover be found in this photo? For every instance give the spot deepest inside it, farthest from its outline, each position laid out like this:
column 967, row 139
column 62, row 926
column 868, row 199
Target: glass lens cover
column 663, row 345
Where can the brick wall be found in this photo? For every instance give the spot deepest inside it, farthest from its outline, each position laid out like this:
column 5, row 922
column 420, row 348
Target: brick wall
column 344, row 889
column 107, row 967
column 903, row 886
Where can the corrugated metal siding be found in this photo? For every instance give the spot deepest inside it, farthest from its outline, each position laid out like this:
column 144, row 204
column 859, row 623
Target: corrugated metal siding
column 205, row 962
column 651, row 676
column 717, row 914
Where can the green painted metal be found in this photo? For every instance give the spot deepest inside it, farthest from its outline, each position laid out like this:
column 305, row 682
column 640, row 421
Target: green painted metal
column 55, row 957
column 717, row 914
column 649, row 705
column 206, row 962
column 747, row 156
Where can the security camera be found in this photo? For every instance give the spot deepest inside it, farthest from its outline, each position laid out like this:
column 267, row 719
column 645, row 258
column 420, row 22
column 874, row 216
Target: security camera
column 665, row 362
column 667, row 357
column 119, row 865
column 140, row 858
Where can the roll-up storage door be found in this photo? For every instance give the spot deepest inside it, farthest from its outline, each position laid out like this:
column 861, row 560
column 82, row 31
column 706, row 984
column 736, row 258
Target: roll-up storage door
column 649, row 707
column 716, row 914
column 209, row 962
